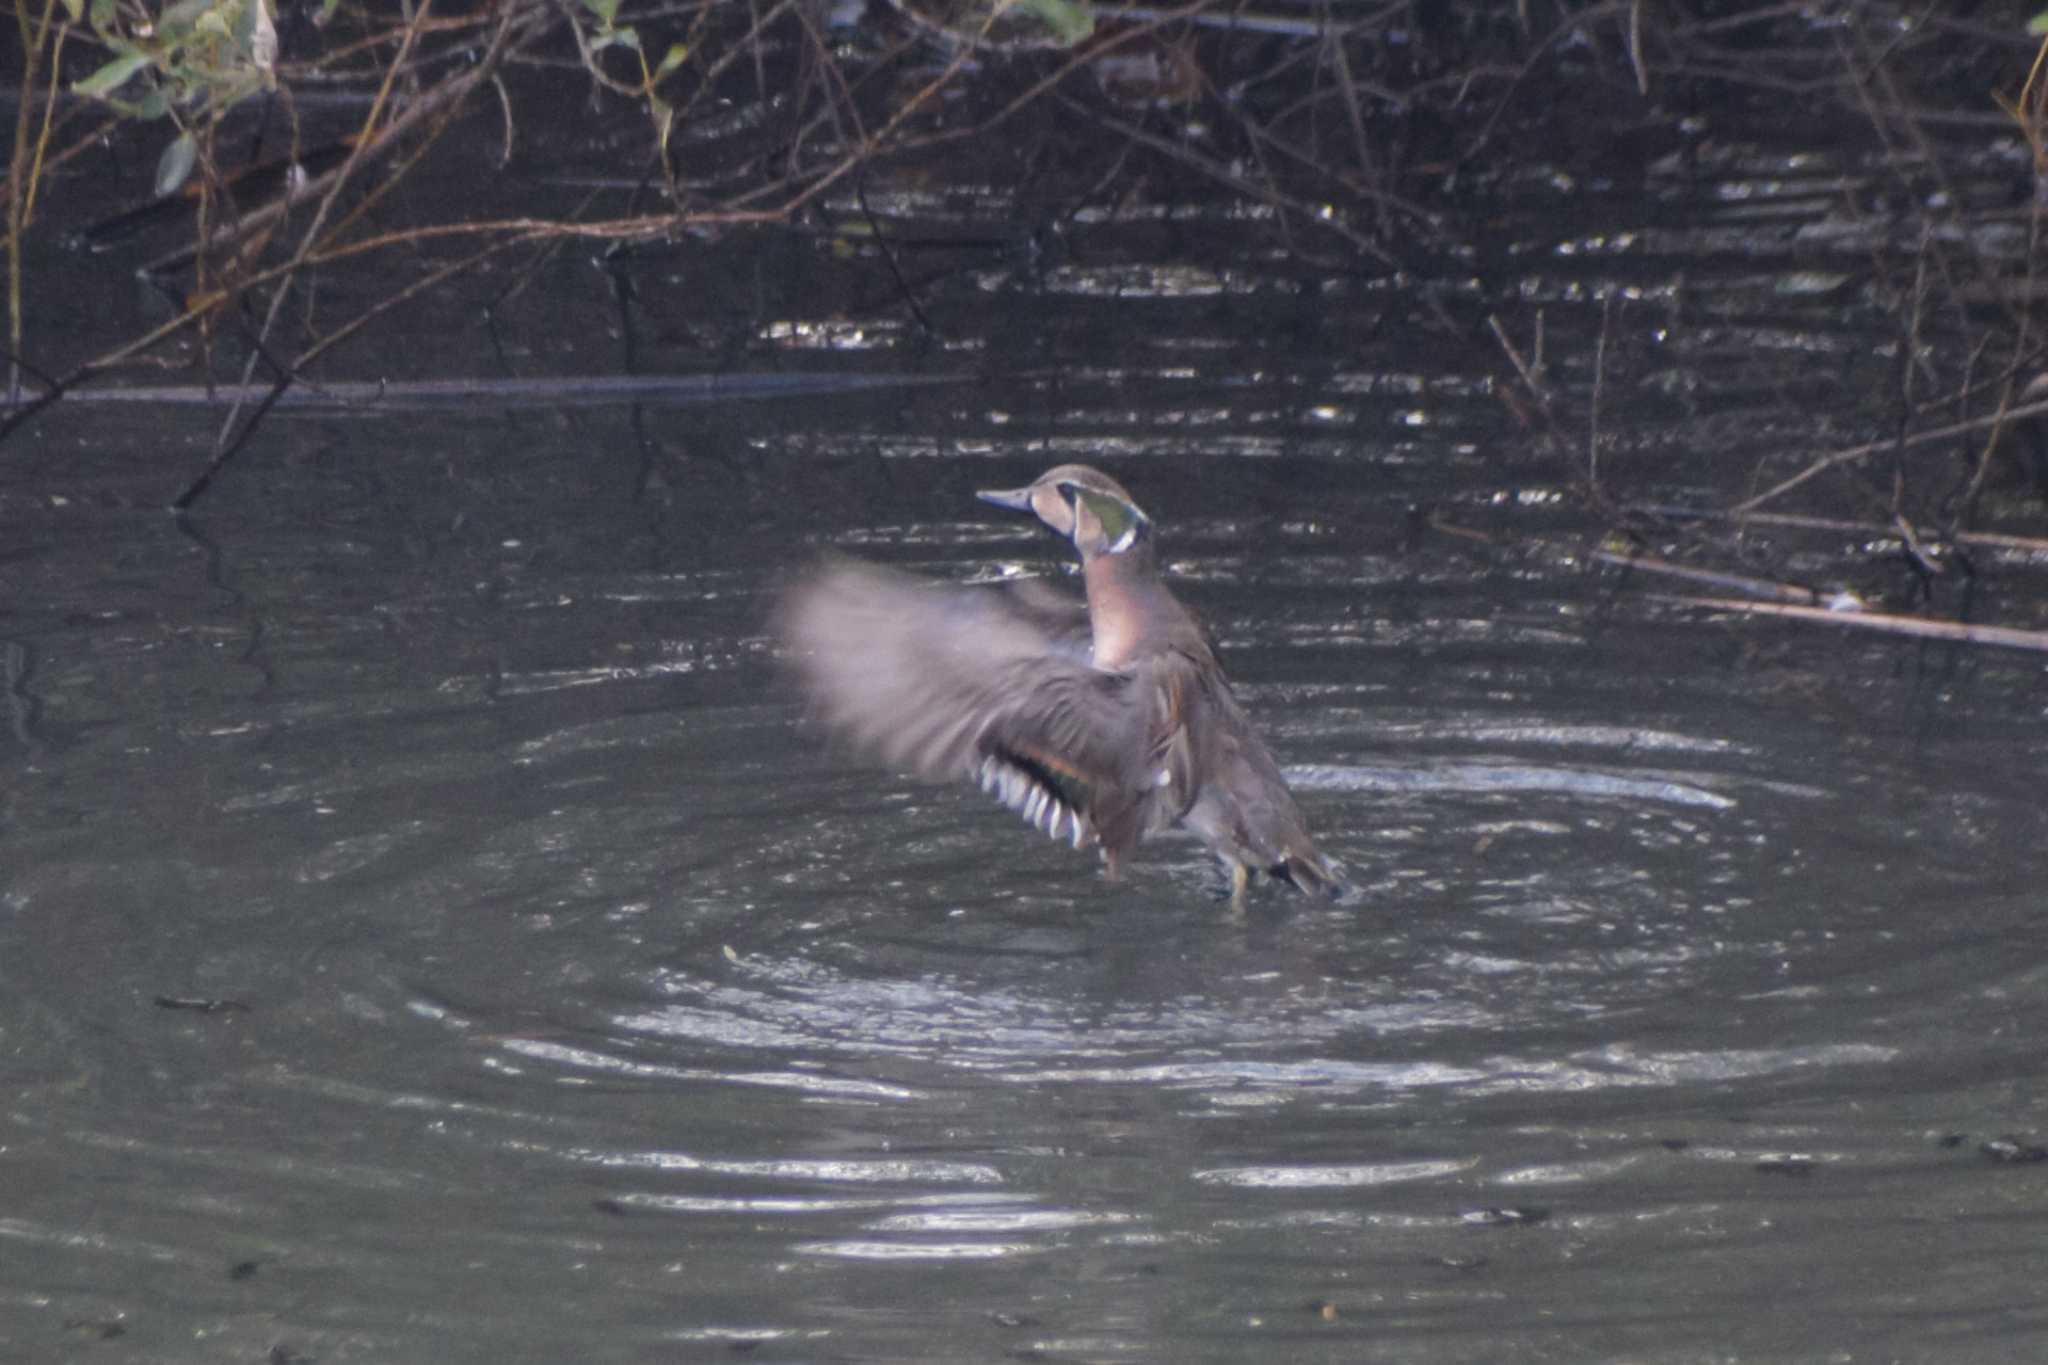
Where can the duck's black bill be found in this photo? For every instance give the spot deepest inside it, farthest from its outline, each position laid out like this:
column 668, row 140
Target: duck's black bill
column 1016, row 499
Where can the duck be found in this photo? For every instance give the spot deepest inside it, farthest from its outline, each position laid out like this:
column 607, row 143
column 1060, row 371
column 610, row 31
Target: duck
column 1098, row 722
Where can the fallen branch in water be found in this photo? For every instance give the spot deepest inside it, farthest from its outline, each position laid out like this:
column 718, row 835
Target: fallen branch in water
column 379, row 398
column 1994, row 540
column 2007, row 637
column 1769, row 589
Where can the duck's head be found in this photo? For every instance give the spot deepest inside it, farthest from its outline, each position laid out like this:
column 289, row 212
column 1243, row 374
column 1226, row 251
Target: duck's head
column 1084, row 505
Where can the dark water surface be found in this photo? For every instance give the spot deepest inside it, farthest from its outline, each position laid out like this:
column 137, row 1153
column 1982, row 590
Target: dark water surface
column 570, row 1002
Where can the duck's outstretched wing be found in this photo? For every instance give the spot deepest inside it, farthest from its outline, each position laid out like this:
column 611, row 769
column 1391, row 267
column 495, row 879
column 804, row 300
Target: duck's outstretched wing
column 976, row 683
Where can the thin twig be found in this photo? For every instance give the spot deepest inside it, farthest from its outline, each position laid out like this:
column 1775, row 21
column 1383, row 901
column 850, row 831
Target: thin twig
column 227, row 449
column 1635, row 47
column 1598, row 495
column 1530, row 380
column 223, row 444
column 1916, row 438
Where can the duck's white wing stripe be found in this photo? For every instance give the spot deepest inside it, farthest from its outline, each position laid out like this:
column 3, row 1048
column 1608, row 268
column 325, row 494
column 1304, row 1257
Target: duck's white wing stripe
column 1041, row 806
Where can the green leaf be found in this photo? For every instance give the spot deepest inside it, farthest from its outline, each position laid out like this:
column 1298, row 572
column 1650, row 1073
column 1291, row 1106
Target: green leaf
column 664, row 119
column 607, row 11
column 2038, row 25
column 1070, row 22
column 677, row 54
column 76, row 9
column 174, row 167
column 102, row 15
column 183, row 15
column 112, row 76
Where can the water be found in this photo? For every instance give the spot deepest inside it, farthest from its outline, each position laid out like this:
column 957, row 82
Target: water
column 427, row 931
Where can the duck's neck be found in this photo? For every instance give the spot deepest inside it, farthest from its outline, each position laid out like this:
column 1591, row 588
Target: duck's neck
column 1129, row 609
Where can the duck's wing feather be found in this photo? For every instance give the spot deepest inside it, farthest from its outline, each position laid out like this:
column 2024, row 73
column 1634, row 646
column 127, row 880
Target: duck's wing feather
column 1062, row 616
column 978, row 683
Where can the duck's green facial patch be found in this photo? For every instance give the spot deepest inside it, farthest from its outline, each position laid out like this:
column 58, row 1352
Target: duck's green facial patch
column 1121, row 523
